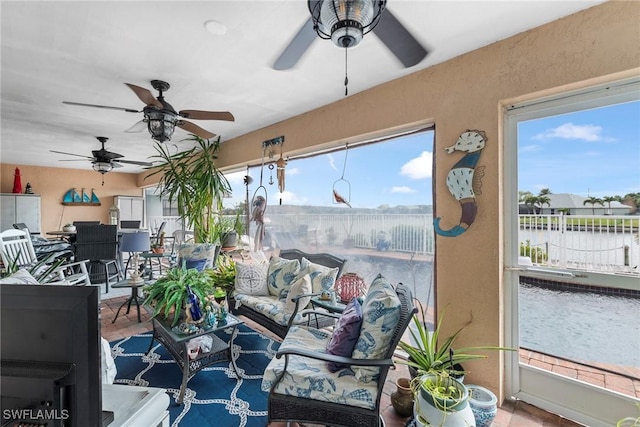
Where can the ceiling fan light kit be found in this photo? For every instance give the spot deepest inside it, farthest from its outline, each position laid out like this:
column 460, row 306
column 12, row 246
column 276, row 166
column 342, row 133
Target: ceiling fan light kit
column 345, row 22
column 160, row 125
column 102, row 167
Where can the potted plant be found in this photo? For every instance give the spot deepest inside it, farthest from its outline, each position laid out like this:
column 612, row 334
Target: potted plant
column 223, row 276
column 441, row 400
column 191, row 180
column 436, row 365
column 168, row 295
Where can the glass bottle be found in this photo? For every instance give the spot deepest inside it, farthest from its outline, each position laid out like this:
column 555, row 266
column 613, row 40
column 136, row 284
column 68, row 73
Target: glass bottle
column 194, row 305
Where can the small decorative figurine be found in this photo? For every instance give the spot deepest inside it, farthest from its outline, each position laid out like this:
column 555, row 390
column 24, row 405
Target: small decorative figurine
column 28, row 189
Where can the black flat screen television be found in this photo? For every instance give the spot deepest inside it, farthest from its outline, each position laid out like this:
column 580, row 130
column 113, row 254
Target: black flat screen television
column 50, row 355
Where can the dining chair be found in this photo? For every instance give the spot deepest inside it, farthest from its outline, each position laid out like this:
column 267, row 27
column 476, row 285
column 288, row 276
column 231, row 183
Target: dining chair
column 99, row 244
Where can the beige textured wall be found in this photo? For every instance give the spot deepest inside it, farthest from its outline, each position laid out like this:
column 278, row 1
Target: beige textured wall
column 599, row 44
column 53, row 183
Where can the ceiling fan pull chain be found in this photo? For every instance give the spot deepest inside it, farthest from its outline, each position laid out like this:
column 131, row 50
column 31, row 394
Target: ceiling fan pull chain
column 346, row 78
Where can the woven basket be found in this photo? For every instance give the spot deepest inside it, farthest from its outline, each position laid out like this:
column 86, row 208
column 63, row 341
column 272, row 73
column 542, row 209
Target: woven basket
column 349, row 286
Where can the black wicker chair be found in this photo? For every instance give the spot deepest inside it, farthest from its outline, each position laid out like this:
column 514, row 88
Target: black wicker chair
column 304, row 410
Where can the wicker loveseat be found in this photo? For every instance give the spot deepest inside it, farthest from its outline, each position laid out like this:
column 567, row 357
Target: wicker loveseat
column 268, row 310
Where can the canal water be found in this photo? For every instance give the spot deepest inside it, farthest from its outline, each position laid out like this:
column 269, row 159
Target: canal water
column 581, row 326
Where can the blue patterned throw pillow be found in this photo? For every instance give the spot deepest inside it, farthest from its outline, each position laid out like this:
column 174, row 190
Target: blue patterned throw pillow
column 322, row 278
column 380, row 316
column 281, row 274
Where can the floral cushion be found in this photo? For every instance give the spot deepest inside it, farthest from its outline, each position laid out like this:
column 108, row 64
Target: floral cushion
column 270, row 306
column 281, row 274
column 322, row 278
column 311, row 379
column 197, row 251
column 251, row 279
column 380, row 316
column 302, row 286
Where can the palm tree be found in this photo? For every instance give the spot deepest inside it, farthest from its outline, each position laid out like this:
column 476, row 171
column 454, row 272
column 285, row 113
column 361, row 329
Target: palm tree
column 609, row 199
column 542, row 200
column 632, row 199
column 593, row 201
column 545, row 191
column 530, row 202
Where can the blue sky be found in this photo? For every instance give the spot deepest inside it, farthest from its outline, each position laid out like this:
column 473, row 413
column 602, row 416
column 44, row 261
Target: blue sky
column 589, row 153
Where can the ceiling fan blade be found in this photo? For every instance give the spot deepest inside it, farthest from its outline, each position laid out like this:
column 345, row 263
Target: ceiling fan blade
column 77, row 160
column 207, row 115
column 138, row 127
column 297, row 47
column 71, row 154
column 133, row 162
column 145, row 95
column 195, row 129
column 106, row 155
column 128, row 110
column 399, row 41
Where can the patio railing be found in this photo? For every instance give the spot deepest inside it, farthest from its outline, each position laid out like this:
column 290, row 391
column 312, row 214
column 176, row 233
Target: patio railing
column 605, row 244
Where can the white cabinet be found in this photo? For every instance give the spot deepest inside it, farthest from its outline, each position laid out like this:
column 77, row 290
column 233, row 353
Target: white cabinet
column 131, row 208
column 15, row 208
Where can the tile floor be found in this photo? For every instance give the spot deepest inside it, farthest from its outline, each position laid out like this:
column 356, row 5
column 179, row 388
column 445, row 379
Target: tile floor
column 510, row 414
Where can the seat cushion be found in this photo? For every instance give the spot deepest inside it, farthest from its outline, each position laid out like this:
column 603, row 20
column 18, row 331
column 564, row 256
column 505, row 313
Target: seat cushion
column 322, row 278
column 269, row 306
column 380, row 316
column 281, row 274
column 20, row 277
column 311, row 378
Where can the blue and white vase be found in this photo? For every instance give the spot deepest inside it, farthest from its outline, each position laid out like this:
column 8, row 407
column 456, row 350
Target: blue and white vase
column 484, row 405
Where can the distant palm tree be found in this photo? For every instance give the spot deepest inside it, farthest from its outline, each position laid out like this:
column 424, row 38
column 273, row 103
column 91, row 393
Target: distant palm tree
column 542, row 200
column 609, row 199
column 593, row 201
column 632, row 199
column 545, row 191
column 530, row 202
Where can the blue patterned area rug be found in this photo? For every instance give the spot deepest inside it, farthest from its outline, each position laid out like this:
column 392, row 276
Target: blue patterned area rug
column 214, row 396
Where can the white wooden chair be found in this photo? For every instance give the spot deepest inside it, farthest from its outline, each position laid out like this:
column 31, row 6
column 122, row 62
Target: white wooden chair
column 16, row 247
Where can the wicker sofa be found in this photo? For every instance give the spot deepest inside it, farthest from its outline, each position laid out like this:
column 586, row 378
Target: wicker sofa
column 273, row 322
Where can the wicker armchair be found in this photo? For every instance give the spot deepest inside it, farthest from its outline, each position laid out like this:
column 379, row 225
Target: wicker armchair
column 304, row 390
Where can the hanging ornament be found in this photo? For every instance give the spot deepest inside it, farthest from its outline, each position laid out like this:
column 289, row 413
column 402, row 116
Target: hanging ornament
column 271, row 174
column 342, row 187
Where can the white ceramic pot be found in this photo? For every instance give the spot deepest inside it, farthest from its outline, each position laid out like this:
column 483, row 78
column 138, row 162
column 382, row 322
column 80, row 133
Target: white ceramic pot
column 69, row 228
column 428, row 414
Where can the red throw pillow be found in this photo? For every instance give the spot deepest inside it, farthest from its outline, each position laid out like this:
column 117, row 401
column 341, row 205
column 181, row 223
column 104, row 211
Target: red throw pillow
column 345, row 334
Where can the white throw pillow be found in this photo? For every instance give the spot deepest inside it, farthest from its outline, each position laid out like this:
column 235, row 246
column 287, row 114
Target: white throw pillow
column 302, row 286
column 251, row 279
column 20, row 277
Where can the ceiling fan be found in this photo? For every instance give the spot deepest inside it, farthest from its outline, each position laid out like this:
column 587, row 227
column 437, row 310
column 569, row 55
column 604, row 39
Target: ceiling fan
column 103, row 161
column 345, row 22
column 160, row 117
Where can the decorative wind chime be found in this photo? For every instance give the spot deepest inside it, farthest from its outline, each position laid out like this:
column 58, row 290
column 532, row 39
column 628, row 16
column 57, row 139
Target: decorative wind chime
column 259, row 201
column 342, row 187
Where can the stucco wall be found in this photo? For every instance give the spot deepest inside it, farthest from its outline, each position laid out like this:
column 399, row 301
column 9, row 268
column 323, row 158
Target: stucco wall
column 53, row 183
column 598, row 44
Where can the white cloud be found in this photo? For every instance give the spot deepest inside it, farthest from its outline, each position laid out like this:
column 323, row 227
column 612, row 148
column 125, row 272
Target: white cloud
column 288, row 197
column 402, row 189
column 292, row 171
column 530, row 148
column 235, row 177
column 419, row 167
column 332, row 162
column 589, row 133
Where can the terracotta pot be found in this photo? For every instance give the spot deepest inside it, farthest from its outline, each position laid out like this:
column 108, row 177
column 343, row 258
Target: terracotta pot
column 402, row 398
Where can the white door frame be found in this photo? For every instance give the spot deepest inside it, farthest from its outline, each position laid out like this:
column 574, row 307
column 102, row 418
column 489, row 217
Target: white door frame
column 571, row 398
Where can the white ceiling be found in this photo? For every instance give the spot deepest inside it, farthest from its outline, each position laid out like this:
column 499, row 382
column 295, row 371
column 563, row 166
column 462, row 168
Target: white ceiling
column 85, row 52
